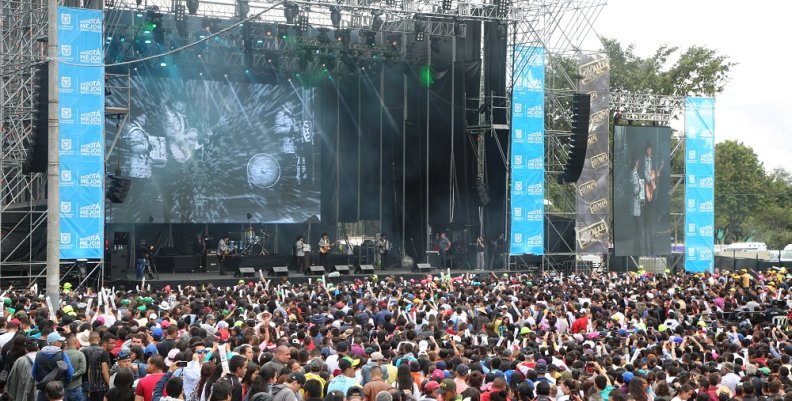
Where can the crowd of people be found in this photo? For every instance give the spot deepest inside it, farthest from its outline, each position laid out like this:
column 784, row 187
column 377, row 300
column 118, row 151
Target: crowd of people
column 486, row 337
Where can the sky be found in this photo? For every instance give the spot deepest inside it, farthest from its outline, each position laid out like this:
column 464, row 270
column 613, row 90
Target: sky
column 756, row 106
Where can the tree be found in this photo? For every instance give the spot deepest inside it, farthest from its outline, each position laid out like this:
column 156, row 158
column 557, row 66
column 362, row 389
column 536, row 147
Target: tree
column 740, row 189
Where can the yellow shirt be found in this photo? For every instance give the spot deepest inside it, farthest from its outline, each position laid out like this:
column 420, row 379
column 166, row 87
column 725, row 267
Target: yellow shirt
column 314, row 376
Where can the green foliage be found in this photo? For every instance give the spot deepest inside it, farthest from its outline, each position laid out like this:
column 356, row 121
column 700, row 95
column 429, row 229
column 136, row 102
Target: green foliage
column 740, row 188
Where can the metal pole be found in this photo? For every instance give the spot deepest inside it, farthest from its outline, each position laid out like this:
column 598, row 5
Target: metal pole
column 404, row 160
column 382, row 106
column 428, row 225
column 53, row 164
column 452, row 172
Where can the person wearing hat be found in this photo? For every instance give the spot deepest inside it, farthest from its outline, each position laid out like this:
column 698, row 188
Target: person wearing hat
column 46, row 368
column 730, row 379
column 375, row 384
column 341, row 350
column 314, row 369
column 460, row 377
column 124, row 361
column 448, row 390
column 346, row 378
column 375, row 359
column 288, row 391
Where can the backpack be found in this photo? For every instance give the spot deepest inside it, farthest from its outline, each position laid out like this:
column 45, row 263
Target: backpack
column 56, row 374
column 263, row 396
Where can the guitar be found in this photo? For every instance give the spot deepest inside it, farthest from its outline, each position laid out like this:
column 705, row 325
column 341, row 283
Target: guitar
column 651, row 182
column 323, row 249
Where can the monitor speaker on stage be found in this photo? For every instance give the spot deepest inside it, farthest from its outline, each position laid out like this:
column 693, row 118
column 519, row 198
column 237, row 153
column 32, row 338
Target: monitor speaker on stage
column 279, row 271
column 578, row 141
column 433, row 258
column 342, row 269
column 424, row 267
column 366, row 269
column 317, row 270
column 247, row 271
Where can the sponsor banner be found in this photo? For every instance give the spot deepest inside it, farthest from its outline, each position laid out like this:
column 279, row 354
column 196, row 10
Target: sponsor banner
column 699, row 184
column 81, row 121
column 527, row 154
column 592, row 195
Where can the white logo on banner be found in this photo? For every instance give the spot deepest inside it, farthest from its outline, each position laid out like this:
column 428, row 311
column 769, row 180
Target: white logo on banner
column 691, row 133
column 66, row 207
column 91, row 149
column 91, row 25
column 90, row 211
column 91, row 180
column 90, row 242
column 535, row 112
column 518, row 186
column 66, row 50
column 66, row 177
column 705, row 254
column 518, row 160
column 691, row 204
column 66, row 20
column 518, row 212
column 535, row 189
column 66, row 82
column 66, row 113
column 517, row 108
column 707, row 158
column 65, row 238
column 91, row 118
column 536, row 240
column 536, row 163
column 692, row 228
column 706, row 206
column 91, row 56
column 91, row 88
column 517, row 237
column 691, row 156
column 66, row 144
column 535, row 215
column 534, row 137
column 706, row 182
column 691, row 181
column 706, row 231
column 691, row 252
column 518, row 134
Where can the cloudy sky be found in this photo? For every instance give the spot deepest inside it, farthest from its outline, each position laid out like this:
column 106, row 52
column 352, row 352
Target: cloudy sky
column 756, row 107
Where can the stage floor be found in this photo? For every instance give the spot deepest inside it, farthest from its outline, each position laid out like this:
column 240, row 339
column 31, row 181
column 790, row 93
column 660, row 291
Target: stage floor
column 228, row 280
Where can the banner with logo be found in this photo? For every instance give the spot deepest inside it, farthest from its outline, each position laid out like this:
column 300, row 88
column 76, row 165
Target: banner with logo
column 527, row 153
column 81, row 121
column 592, row 194
column 699, row 184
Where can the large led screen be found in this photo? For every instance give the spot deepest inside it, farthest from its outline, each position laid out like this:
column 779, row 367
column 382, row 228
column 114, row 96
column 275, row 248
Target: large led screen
column 641, row 185
column 217, row 151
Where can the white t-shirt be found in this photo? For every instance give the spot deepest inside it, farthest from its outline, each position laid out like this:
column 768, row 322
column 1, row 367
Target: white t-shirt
column 332, row 363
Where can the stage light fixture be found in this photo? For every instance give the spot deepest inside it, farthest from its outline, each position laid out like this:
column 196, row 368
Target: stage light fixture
column 322, row 36
column 420, row 28
column 394, row 43
column 447, row 5
column 335, row 16
column 290, row 11
column 343, row 36
column 302, row 23
column 502, row 8
column 369, row 38
column 243, row 8
column 110, row 3
column 192, row 6
column 376, row 20
column 282, row 32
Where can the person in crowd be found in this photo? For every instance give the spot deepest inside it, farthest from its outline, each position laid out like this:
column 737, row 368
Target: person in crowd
column 54, row 391
column 375, row 385
column 51, row 364
column 74, row 389
column 290, row 388
column 122, row 386
column 21, row 386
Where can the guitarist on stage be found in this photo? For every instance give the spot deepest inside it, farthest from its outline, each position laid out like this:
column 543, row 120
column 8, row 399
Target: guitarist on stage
column 650, row 182
column 221, row 252
column 324, row 249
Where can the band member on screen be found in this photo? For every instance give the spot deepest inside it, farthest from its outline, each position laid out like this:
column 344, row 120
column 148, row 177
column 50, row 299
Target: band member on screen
column 638, row 199
column 324, row 249
column 222, row 251
column 383, row 248
column 650, row 184
column 444, row 245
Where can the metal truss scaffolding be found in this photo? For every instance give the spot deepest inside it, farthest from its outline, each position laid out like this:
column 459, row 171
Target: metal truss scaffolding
column 23, row 32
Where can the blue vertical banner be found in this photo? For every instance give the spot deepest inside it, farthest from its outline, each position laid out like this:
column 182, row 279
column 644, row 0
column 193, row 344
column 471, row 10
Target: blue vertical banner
column 527, row 153
column 699, row 184
column 81, row 122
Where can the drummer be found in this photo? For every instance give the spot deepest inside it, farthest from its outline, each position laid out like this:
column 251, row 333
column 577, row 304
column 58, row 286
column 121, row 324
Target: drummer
column 250, row 234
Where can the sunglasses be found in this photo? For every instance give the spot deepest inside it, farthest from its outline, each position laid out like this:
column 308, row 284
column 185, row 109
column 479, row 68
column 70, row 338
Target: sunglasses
column 202, row 351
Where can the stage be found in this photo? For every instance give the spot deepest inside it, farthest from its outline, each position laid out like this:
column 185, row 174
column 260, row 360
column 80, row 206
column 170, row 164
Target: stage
column 174, row 279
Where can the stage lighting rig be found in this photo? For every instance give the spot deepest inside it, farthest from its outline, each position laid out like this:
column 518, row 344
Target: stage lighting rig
column 322, row 36
column 290, row 11
column 335, row 16
column 243, row 8
column 282, row 32
column 343, row 36
column 394, row 43
column 376, row 20
column 179, row 15
column 447, row 5
column 369, row 38
column 420, row 28
column 302, row 23
column 502, row 8
column 192, row 6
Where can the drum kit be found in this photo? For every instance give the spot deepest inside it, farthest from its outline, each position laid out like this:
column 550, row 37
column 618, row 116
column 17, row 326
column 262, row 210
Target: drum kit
column 252, row 244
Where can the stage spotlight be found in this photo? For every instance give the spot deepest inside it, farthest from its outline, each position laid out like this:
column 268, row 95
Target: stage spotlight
column 290, row 11
column 302, row 23
column 447, row 5
column 282, row 32
column 376, row 21
column 420, row 28
column 502, row 8
column 322, row 36
column 335, row 16
column 343, row 36
column 192, row 6
column 394, row 43
column 369, row 38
